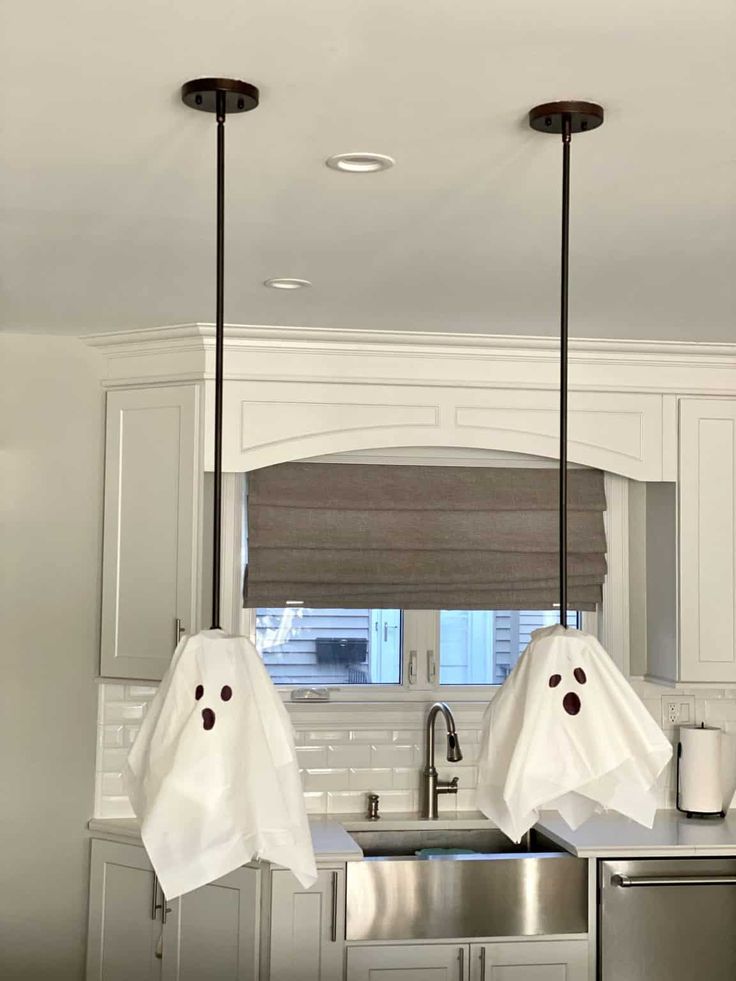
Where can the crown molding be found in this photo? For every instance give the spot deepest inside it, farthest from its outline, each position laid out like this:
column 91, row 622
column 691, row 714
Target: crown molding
column 200, row 337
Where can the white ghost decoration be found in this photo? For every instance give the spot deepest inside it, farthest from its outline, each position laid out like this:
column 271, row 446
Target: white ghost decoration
column 213, row 775
column 567, row 732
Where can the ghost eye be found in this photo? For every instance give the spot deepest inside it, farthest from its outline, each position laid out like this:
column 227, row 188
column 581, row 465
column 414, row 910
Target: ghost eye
column 580, row 676
column 227, row 693
column 198, row 692
column 554, row 680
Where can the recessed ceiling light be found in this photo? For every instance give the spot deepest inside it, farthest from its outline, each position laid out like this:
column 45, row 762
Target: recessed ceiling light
column 360, row 163
column 287, row 284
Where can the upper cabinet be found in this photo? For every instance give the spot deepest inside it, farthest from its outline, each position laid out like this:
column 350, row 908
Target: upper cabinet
column 707, row 525
column 153, row 475
column 637, row 410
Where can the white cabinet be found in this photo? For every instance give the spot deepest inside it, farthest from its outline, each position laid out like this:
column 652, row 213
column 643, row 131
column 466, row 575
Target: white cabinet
column 307, row 927
column 213, row 931
column 535, row 960
column 523, row 960
column 125, row 929
column 209, row 933
column 408, row 962
column 151, row 528
column 707, row 523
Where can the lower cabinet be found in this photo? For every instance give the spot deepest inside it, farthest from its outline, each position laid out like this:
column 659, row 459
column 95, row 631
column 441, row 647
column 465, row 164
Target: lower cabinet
column 525, row 960
column 530, row 960
column 409, row 962
column 307, row 927
column 209, row 933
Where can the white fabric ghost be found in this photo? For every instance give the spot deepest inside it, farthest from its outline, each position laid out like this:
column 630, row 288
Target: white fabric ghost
column 567, row 732
column 213, row 773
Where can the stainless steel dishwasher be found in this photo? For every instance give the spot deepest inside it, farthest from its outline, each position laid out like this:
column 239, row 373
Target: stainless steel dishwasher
column 667, row 920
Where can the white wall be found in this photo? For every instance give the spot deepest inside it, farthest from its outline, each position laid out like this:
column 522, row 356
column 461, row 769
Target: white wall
column 52, row 413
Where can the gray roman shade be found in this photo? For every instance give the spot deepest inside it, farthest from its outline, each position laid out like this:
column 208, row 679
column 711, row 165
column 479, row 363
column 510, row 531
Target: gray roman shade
column 420, row 538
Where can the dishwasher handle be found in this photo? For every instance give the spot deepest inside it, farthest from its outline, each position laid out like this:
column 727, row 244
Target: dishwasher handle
column 634, row 881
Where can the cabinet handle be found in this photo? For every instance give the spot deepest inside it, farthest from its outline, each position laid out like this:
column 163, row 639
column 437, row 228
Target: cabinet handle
column 482, row 964
column 461, row 962
column 160, row 946
column 179, row 631
column 412, row 667
column 630, row 881
column 431, row 667
column 154, row 897
column 334, row 907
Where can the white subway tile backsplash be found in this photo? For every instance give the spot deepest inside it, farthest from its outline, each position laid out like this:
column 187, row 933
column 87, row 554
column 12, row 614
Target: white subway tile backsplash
column 371, row 779
column 316, row 802
column 370, row 736
column 406, row 778
column 325, row 779
column 112, row 735
column 140, row 692
column 393, row 801
column 341, row 766
column 394, row 755
column 121, row 712
column 112, row 785
column 346, row 802
column 466, row 800
column 325, row 736
column 113, row 760
column 720, row 710
column 311, row 757
column 352, row 754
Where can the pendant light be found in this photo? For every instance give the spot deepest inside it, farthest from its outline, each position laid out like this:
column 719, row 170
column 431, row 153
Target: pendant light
column 567, row 731
column 564, row 118
column 221, row 96
column 213, row 775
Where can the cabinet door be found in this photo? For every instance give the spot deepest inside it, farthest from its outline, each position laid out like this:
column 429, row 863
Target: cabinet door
column 124, row 927
column 533, row 960
column 152, row 477
column 213, row 931
column 307, row 927
column 408, row 962
column 707, row 540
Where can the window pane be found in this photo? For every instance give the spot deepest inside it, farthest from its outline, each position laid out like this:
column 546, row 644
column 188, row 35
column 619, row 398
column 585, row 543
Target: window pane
column 480, row 647
column 330, row 647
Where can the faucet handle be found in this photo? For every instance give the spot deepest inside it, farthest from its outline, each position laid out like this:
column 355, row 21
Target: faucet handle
column 447, row 786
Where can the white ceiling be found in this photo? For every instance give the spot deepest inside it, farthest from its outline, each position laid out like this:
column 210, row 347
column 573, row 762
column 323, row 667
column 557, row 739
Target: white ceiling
column 108, row 180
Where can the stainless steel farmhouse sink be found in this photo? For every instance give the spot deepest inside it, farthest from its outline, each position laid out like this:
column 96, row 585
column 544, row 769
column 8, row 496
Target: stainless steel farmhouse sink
column 500, row 890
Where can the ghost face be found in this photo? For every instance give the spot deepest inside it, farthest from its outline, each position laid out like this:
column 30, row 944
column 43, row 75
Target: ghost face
column 571, row 701
column 208, row 716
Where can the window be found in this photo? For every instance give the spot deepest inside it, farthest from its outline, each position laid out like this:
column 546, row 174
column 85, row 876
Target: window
column 481, row 647
column 330, row 647
column 324, row 648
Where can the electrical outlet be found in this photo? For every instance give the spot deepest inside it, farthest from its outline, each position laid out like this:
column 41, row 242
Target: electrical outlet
column 677, row 710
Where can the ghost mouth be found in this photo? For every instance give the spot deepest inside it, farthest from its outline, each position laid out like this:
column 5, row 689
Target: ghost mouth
column 571, row 703
column 208, row 718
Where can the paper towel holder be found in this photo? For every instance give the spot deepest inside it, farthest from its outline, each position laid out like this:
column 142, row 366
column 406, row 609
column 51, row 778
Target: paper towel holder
column 713, row 815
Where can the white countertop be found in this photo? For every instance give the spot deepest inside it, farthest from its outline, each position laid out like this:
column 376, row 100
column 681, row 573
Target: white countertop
column 603, row 836
column 611, row 835
column 331, row 841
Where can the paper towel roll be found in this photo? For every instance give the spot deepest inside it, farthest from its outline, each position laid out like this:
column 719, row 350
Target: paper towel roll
column 701, row 788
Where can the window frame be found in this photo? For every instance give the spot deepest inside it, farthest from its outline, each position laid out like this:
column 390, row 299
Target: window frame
column 421, row 628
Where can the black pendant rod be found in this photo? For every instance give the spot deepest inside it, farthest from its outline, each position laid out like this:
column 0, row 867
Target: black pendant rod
column 220, row 96
column 565, row 118
column 564, row 291
column 219, row 358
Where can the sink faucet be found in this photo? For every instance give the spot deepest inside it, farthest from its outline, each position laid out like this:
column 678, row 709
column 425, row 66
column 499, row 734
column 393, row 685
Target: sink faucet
column 433, row 786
